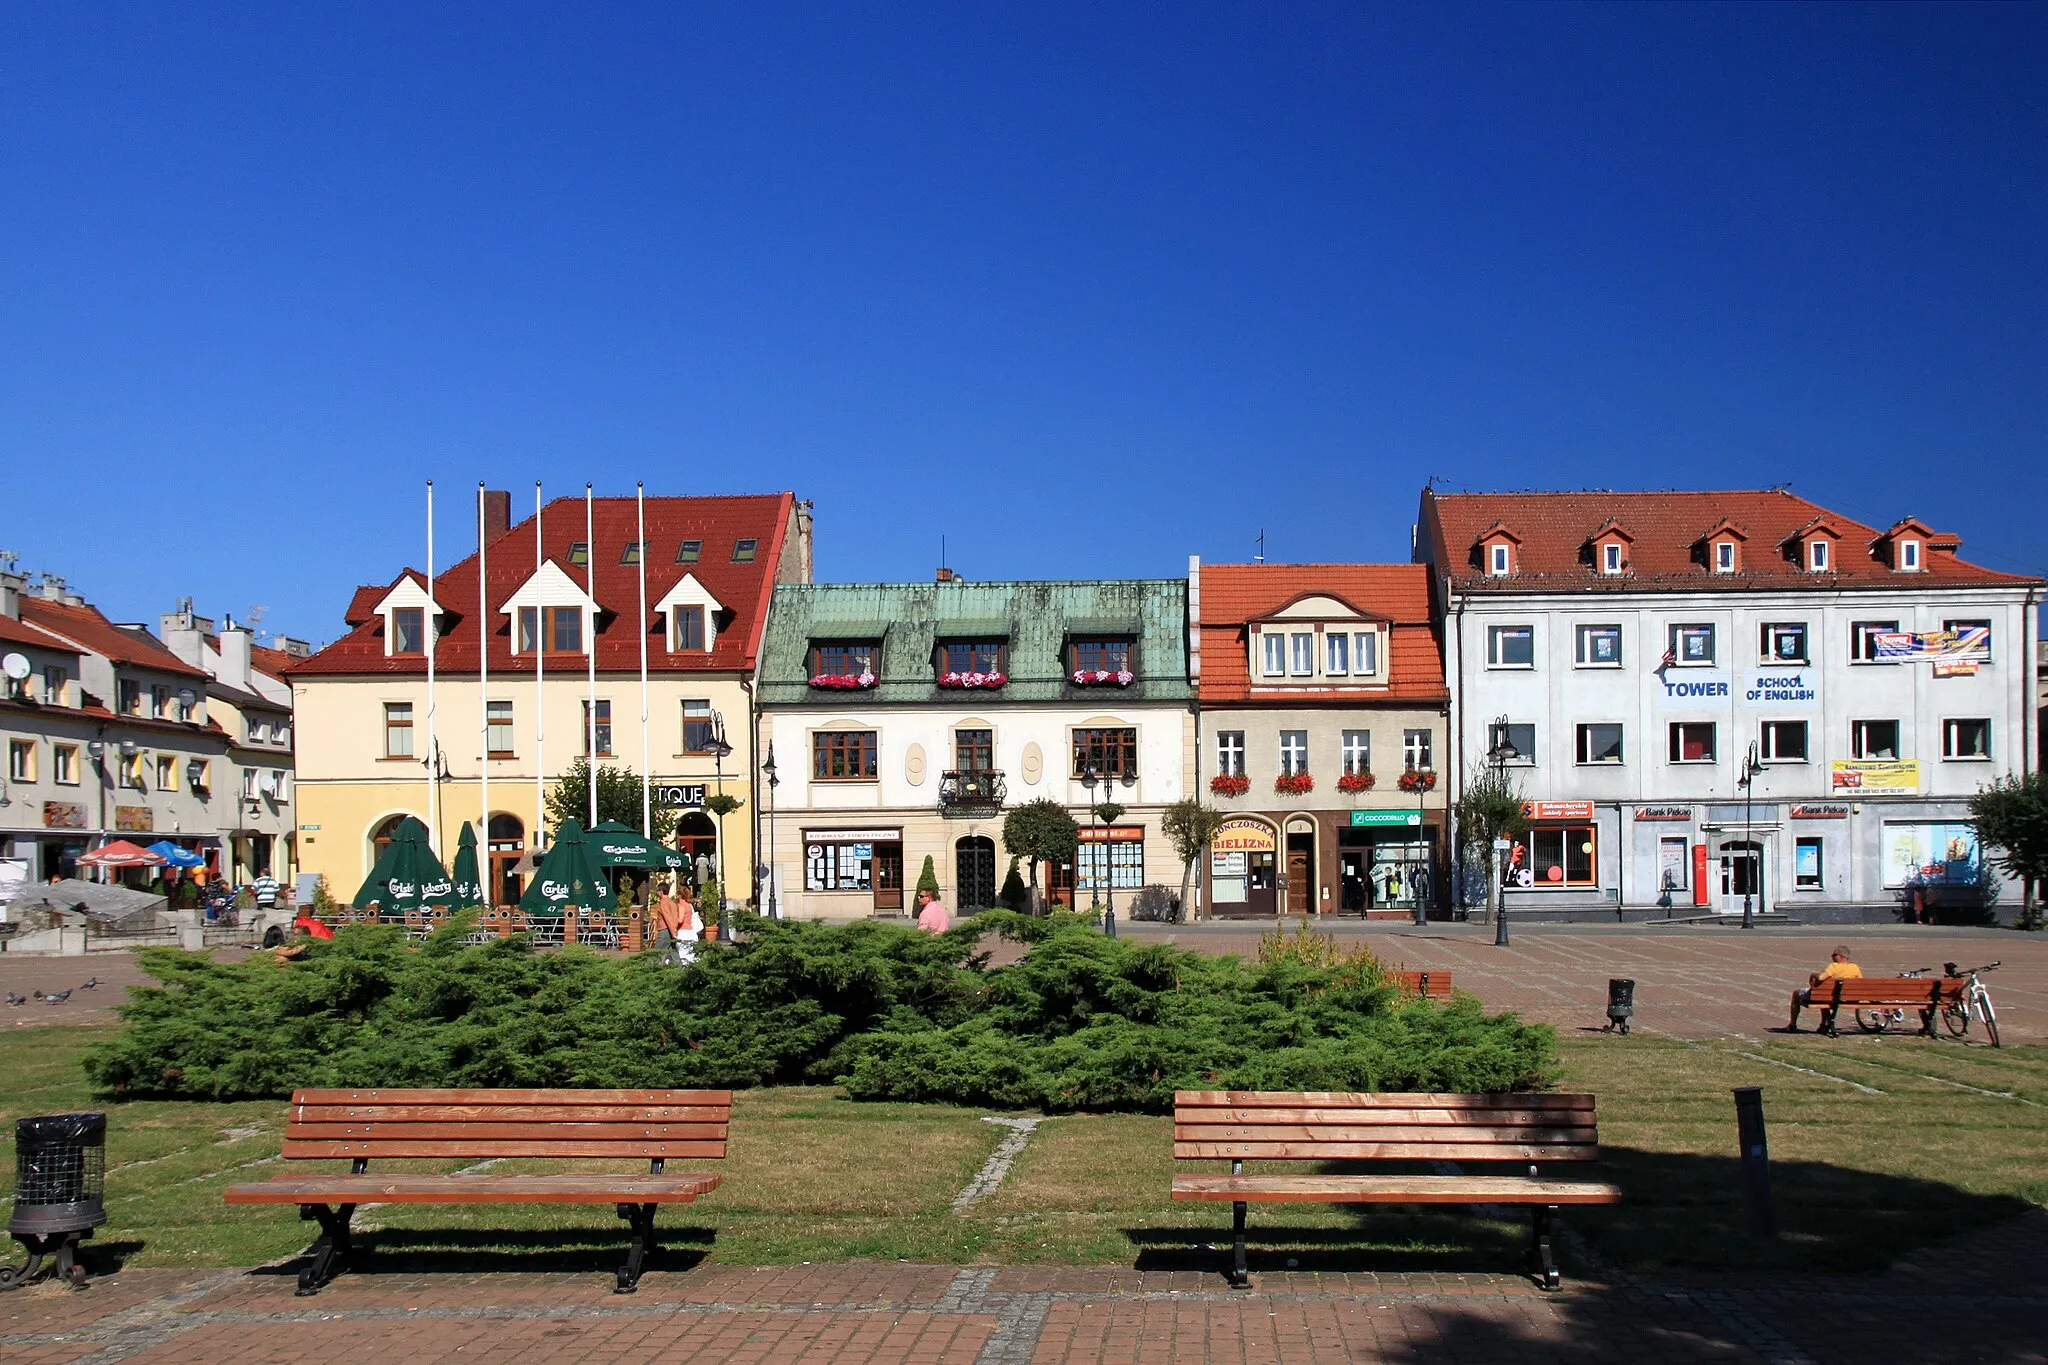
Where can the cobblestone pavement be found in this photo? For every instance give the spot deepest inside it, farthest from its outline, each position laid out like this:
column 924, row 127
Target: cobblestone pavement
column 1982, row 1300
column 1704, row 981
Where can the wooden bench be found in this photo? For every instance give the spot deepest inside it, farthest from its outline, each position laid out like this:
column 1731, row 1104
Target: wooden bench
column 364, row 1125
column 1264, row 1125
column 1428, row 985
column 1926, row 994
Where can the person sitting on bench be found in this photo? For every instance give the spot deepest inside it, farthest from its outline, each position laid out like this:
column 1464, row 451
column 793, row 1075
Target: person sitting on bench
column 1839, row 968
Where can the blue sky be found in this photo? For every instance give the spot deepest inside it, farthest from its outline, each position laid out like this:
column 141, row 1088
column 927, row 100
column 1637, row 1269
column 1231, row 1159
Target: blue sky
column 1082, row 288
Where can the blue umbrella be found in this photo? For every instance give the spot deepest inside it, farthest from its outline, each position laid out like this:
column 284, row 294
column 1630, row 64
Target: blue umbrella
column 175, row 856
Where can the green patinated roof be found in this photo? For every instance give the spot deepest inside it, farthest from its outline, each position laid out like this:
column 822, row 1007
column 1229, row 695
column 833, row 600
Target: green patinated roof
column 1036, row 619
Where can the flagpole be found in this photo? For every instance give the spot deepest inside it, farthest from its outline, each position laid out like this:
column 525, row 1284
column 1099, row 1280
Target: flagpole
column 433, row 634
column 483, row 689
column 590, row 647
column 646, row 752
column 540, row 710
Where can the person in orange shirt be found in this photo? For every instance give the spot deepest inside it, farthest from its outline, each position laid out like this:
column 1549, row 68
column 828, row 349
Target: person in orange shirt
column 1839, row 968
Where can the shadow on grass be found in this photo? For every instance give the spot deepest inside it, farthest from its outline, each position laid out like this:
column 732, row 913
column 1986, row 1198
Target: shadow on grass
column 459, row 1251
column 98, row 1258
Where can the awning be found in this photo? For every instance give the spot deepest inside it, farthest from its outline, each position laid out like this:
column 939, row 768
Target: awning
column 121, row 853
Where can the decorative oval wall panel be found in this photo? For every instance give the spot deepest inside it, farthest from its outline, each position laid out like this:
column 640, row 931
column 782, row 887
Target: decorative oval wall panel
column 1034, row 765
column 913, row 765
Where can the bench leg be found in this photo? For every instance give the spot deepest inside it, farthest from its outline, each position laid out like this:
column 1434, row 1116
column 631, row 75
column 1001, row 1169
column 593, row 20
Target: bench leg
column 1541, row 1262
column 1240, row 1277
column 331, row 1251
column 641, row 1216
column 1827, row 1021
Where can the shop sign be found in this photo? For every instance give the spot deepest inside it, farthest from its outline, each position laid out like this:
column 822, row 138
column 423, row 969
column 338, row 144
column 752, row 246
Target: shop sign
column 1820, row 810
column 1955, row 668
column 853, row 836
column 1227, row 864
column 1243, row 836
column 1663, row 812
column 1875, row 775
column 1098, row 834
column 1557, row 810
column 1693, row 688
column 689, row 795
column 63, row 815
column 1774, row 688
column 1365, row 819
column 310, row 829
column 133, row 819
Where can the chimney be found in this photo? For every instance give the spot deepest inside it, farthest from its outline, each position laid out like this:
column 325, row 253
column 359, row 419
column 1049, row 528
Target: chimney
column 298, row 649
column 184, row 633
column 945, row 575
column 11, row 585
column 795, row 564
column 234, row 657
column 497, row 513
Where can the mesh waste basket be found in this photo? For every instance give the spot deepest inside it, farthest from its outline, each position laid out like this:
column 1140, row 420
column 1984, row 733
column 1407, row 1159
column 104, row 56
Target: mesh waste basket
column 1621, row 1003
column 60, row 1178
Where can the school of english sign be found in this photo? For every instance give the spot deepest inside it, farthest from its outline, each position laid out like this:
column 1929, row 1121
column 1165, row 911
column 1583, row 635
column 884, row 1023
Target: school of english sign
column 1708, row 689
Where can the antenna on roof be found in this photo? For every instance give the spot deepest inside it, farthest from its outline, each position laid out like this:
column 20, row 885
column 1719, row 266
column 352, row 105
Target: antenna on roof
column 256, row 611
column 1260, row 557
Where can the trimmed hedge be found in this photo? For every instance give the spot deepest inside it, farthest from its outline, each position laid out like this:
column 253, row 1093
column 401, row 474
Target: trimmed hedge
column 1082, row 1022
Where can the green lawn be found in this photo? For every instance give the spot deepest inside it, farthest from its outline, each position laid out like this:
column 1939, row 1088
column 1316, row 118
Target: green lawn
column 1861, row 1179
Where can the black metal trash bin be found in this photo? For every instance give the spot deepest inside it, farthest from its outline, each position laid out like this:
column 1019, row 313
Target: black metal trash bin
column 1621, row 1003
column 60, row 1185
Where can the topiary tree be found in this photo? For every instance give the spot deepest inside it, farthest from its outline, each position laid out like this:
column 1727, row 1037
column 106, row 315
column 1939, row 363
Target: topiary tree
column 1190, row 826
column 1013, row 895
column 2012, row 816
column 1039, row 831
column 618, row 798
column 928, row 879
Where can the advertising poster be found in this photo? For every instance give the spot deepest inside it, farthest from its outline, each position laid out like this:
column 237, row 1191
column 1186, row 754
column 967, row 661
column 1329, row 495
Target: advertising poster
column 1907, row 646
column 1876, row 774
column 1932, row 854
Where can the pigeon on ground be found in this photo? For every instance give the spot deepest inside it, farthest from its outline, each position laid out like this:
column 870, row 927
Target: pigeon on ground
column 59, row 997
column 94, row 981
column 39, row 995
column 14, row 999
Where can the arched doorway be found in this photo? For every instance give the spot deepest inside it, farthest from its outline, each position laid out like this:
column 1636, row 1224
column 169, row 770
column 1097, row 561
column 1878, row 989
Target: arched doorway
column 382, row 835
column 974, row 872
column 697, row 838
column 507, row 840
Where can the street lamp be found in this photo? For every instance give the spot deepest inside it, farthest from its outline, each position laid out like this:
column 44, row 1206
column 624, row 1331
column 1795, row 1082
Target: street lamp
column 768, row 771
column 1499, row 756
column 719, row 750
column 1090, row 777
column 1752, row 766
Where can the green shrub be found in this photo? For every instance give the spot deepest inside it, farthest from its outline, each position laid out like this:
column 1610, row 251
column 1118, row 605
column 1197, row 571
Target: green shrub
column 928, row 879
column 1081, row 1022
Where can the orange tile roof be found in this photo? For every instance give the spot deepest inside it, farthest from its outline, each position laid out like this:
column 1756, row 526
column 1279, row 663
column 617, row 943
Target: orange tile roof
column 1235, row 594
column 1554, row 529
column 84, row 626
column 27, row 633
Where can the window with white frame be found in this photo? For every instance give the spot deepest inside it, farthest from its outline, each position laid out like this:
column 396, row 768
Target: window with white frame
column 248, row 784
column 1817, row 555
column 280, row 784
column 1909, row 555
column 133, row 771
column 1510, row 646
column 1863, row 639
column 1365, row 652
column 1783, row 741
column 1357, row 752
column 54, row 678
column 1230, row 753
column 21, row 760
column 1692, row 741
column 1336, row 654
column 166, row 773
column 1610, row 558
column 1784, row 642
column 1416, row 749
column 1301, row 653
column 1692, row 646
column 1293, row 752
column 1514, row 740
column 1599, row 646
column 498, row 728
column 1724, row 556
column 1497, row 560
column 1874, row 739
column 64, row 764
column 1966, row 739
column 1274, row 658
column 1600, row 742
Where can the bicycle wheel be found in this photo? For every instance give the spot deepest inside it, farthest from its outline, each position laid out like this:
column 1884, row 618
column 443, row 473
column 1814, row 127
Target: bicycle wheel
column 1956, row 1016
column 1873, row 1021
column 1990, row 1021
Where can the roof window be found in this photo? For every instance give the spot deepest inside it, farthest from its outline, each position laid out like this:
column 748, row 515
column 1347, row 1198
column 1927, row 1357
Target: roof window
column 743, row 550
column 631, row 554
column 689, row 551
column 579, row 552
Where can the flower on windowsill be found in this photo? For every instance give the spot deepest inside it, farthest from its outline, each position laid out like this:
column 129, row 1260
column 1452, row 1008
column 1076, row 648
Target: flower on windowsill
column 983, row 680
column 844, row 682
column 1354, row 783
column 1102, row 677
column 1418, row 780
column 1230, row 784
column 1294, row 784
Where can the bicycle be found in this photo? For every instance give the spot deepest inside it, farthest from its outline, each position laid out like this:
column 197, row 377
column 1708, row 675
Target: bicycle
column 1972, row 999
column 1882, row 1017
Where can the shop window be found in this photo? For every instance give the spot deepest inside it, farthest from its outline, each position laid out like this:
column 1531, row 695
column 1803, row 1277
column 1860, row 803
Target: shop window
column 166, row 773
column 689, row 552
column 700, row 727
column 1874, row 739
column 1691, row 647
column 21, row 760
column 64, row 764
column 1293, row 752
column 1111, row 752
column 498, row 728
column 1415, row 750
column 1784, row 642
column 1230, row 753
column 1301, row 654
column 1807, row 870
column 408, row 630
column 848, row 659
column 631, row 554
column 1515, row 741
column 1274, row 660
column 597, row 729
column 838, row 866
column 1562, row 855
column 844, row 755
column 1863, row 639
column 563, row 627
column 1599, row 646
column 1510, row 646
column 1357, row 752
column 1692, row 741
column 1123, row 850
column 398, row 729
column 689, row 628
column 1600, row 742
column 1783, row 741
column 743, row 550
column 1104, row 656
column 1983, row 654
column 971, row 656
column 1964, row 739
column 974, row 751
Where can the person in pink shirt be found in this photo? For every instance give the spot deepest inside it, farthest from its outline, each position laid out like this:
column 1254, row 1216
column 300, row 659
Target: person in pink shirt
column 932, row 915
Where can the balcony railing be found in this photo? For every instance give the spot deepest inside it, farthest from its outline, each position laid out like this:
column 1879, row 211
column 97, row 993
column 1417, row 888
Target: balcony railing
column 970, row 789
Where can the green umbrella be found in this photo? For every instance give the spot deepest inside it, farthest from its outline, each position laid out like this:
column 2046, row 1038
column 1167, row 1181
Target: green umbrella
column 568, row 876
column 408, row 876
column 617, row 845
column 469, row 888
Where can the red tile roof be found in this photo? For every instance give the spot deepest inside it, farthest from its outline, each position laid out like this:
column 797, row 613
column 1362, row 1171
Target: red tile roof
column 1236, row 594
column 744, row 589
column 26, row 633
column 84, row 626
column 1554, row 529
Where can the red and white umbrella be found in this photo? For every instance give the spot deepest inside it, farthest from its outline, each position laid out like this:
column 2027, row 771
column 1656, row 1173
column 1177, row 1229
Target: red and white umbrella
column 120, row 853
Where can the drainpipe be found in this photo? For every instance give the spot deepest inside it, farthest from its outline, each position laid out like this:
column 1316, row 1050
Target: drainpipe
column 1455, row 832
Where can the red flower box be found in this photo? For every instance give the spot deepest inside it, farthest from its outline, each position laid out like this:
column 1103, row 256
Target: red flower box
column 1294, row 784
column 1418, row 780
column 1356, row 782
column 972, row 680
column 1102, row 677
column 1230, row 784
column 844, row 682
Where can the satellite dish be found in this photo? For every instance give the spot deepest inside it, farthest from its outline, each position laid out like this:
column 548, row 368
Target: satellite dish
column 187, row 698
column 16, row 666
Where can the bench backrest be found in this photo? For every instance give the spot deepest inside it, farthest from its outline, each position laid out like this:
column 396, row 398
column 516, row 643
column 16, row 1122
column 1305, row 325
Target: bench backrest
column 1269, row 1125
column 644, row 1124
column 1889, row 990
column 1428, row 985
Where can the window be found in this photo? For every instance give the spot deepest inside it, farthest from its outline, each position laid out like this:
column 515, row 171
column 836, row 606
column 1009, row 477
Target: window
column 1692, row 741
column 1106, row 656
column 132, row 771
column 1783, row 642
column 197, row 772
column 1784, row 741
column 1863, row 639
column 1966, row 739
column 1510, row 646
column 64, row 764
column 278, row 784
column 842, row 660
column 972, row 656
column 159, row 701
column 974, row 751
column 579, row 552
column 1692, row 646
column 1365, row 652
column 21, row 760
column 1724, row 556
column 1610, row 558
column 166, row 773
column 398, row 729
column 1600, row 742
column 597, row 728
column 1599, row 646
column 563, row 625
column 128, row 696
column 700, row 728
column 689, row 628
column 248, row 784
column 843, row 755
column 1336, row 654
column 185, row 713
column 689, row 551
column 1230, row 753
column 1674, row 863
column 1415, row 749
column 743, row 550
column 1110, row 752
column 631, row 554
column 1874, row 739
column 1275, row 663
column 408, row 630
column 1515, row 740
column 1562, row 855
column 1357, row 752
column 1909, row 555
column 498, row 728
column 1301, row 653
column 838, row 865
column 1806, row 865
column 1983, row 654
column 1817, row 556
column 1497, row 560
column 1122, row 848
column 1293, row 752
column 53, row 684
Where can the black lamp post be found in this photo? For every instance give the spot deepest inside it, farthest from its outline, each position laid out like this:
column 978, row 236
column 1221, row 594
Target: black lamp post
column 768, row 771
column 1499, row 756
column 1752, row 765
column 719, row 750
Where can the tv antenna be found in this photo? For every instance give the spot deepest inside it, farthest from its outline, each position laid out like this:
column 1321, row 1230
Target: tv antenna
column 1260, row 557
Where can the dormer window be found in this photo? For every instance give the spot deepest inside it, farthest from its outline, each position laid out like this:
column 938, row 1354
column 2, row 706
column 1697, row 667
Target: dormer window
column 692, row 616
column 1274, row 658
column 1499, row 560
column 1610, row 558
column 971, row 656
column 1909, row 556
column 1724, row 556
column 1096, row 656
column 849, row 659
column 688, row 628
column 409, row 630
column 557, row 629
column 409, row 613
column 1817, row 555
